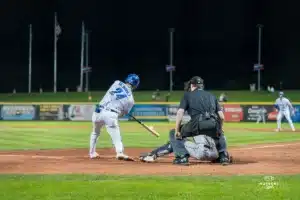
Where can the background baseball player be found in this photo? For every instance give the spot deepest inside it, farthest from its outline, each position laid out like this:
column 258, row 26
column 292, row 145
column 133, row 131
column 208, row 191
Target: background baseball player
column 202, row 147
column 117, row 102
column 261, row 115
column 285, row 108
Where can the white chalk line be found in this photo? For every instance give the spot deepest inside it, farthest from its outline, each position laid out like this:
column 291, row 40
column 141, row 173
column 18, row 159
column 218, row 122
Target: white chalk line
column 48, row 157
column 63, row 157
column 28, row 156
column 268, row 146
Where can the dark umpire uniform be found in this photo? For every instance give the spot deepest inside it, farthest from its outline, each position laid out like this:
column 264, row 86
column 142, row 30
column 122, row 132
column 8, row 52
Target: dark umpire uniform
column 203, row 108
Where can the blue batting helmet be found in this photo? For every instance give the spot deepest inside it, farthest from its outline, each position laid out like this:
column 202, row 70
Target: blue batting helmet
column 133, row 80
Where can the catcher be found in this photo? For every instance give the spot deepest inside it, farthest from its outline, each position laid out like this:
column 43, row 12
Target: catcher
column 210, row 143
column 200, row 147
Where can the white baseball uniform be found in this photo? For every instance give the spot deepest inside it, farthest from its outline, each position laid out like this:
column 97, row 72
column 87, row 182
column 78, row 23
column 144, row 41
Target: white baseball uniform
column 200, row 147
column 118, row 101
column 285, row 107
column 261, row 115
column 203, row 148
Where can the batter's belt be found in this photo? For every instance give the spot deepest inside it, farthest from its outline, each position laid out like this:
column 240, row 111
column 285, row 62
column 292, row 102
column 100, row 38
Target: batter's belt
column 99, row 108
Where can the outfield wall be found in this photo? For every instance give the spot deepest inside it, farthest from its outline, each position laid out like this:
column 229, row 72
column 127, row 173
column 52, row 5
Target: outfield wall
column 47, row 111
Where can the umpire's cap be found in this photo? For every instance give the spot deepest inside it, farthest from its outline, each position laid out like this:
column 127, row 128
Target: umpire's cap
column 197, row 81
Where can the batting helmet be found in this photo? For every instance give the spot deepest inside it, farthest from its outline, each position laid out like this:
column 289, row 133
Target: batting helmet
column 133, row 80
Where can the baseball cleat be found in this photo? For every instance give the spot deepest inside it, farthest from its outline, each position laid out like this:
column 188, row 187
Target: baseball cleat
column 224, row 159
column 122, row 156
column 149, row 158
column 181, row 161
column 278, row 129
column 94, row 155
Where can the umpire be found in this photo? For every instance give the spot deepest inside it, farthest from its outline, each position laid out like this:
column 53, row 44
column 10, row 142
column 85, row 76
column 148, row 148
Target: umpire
column 206, row 118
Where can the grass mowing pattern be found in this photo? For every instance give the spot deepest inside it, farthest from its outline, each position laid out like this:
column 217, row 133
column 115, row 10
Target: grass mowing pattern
column 50, row 135
column 144, row 96
column 82, row 187
column 23, row 135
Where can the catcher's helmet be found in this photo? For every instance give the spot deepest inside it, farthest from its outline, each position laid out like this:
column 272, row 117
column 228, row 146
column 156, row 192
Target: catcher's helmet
column 133, row 80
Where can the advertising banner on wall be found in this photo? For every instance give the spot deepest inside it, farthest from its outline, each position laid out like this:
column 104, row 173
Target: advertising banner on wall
column 144, row 112
column 171, row 113
column 251, row 112
column 150, row 112
column 51, row 112
column 79, row 112
column 18, row 112
column 233, row 112
column 296, row 117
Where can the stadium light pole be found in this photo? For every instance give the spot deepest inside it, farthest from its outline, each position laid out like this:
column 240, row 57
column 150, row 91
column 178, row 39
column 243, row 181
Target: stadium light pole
column 30, row 59
column 82, row 55
column 259, row 26
column 87, row 61
column 171, row 31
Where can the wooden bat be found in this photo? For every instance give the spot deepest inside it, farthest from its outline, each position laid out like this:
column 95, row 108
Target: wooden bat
column 148, row 128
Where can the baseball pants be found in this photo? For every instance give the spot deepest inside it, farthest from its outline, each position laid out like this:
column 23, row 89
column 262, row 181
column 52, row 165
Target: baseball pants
column 287, row 115
column 110, row 121
column 261, row 117
column 221, row 143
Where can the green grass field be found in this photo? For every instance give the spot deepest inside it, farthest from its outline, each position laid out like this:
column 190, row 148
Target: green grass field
column 145, row 96
column 54, row 135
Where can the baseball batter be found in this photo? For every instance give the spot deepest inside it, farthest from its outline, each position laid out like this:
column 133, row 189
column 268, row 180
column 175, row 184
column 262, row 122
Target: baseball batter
column 117, row 102
column 201, row 148
column 285, row 108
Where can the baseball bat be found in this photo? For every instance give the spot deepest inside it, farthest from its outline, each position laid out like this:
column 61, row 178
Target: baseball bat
column 148, row 128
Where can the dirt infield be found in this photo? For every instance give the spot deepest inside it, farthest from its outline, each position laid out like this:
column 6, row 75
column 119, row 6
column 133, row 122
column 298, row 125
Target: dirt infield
column 280, row 158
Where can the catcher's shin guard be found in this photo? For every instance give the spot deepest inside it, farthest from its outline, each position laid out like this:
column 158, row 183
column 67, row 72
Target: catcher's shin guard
column 158, row 152
column 162, row 150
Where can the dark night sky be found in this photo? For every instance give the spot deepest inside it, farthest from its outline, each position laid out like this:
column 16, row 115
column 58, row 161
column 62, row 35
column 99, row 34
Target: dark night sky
column 216, row 40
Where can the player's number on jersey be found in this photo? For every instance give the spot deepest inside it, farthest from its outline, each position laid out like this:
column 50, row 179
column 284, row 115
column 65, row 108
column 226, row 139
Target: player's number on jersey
column 120, row 93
